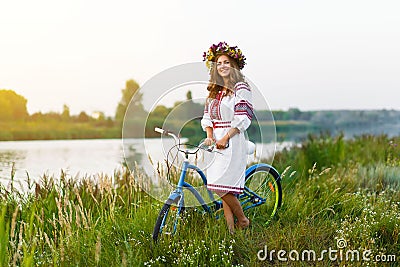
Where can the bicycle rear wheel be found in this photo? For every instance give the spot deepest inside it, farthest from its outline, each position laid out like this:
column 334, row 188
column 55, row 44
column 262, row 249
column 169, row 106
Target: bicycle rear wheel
column 168, row 218
column 263, row 189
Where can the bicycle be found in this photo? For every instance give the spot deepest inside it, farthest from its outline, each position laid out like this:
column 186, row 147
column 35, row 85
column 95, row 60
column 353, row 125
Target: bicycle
column 262, row 187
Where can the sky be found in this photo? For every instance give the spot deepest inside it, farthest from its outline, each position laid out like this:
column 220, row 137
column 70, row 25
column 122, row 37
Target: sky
column 310, row 54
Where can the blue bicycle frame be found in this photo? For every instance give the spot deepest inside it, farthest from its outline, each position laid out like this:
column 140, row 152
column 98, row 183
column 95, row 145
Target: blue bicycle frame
column 245, row 197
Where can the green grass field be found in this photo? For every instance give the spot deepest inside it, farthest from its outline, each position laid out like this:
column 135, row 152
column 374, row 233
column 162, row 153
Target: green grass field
column 335, row 190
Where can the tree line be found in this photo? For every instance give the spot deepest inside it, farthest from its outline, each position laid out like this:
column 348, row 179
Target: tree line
column 183, row 117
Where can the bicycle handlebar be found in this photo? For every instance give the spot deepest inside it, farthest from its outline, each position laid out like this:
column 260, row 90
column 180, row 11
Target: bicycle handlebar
column 164, row 132
column 177, row 141
column 159, row 130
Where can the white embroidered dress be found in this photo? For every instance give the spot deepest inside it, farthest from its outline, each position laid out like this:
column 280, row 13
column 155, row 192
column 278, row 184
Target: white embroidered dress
column 226, row 173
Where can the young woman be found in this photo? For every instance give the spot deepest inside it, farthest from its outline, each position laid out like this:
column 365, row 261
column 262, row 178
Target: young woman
column 227, row 115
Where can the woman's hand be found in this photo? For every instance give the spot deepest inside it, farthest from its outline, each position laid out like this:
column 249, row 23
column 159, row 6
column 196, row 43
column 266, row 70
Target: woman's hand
column 209, row 141
column 222, row 143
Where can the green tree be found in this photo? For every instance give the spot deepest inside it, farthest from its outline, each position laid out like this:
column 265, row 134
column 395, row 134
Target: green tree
column 132, row 97
column 65, row 115
column 160, row 112
column 12, row 106
column 5, row 109
column 294, row 113
column 189, row 96
column 83, row 117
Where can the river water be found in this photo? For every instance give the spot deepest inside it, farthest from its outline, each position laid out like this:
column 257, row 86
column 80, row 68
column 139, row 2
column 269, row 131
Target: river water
column 86, row 158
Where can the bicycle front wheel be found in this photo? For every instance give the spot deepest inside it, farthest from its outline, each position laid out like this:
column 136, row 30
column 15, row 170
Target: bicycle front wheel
column 167, row 220
column 263, row 189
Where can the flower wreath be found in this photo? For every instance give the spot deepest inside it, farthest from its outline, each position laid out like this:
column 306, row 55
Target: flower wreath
column 223, row 48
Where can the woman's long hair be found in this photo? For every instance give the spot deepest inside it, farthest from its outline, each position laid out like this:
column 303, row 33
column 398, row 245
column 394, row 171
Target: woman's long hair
column 216, row 82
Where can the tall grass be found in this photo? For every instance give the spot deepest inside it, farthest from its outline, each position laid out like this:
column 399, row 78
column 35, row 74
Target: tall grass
column 333, row 189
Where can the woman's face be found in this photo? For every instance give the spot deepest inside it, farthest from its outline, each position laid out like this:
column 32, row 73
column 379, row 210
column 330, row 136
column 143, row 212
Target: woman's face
column 223, row 66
